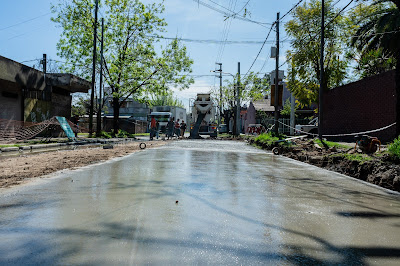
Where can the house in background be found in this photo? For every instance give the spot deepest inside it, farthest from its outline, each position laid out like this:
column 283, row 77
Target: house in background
column 30, row 95
column 132, row 115
column 262, row 109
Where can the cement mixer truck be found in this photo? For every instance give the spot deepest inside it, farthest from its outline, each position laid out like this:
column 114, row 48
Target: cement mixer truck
column 203, row 117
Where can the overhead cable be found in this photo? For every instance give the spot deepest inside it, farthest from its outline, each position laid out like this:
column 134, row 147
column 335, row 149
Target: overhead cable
column 25, row 21
column 230, row 13
column 287, row 13
column 259, row 52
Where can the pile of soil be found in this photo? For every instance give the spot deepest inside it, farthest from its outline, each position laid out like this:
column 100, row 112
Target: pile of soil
column 16, row 170
column 382, row 170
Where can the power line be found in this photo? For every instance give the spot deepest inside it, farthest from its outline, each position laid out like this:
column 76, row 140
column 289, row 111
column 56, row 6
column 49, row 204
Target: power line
column 231, row 14
column 287, row 13
column 225, row 35
column 261, row 48
column 25, row 21
column 209, row 41
column 338, row 14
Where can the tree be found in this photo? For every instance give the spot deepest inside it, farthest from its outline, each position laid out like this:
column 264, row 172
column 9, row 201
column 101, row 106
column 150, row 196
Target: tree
column 369, row 62
column 374, row 62
column 251, row 87
column 80, row 106
column 304, row 29
column 287, row 108
column 131, row 62
column 382, row 30
column 164, row 99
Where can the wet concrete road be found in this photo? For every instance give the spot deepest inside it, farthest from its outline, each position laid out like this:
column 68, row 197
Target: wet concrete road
column 236, row 205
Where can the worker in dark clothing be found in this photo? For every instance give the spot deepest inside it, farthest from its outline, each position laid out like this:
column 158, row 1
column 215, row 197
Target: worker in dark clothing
column 153, row 127
column 170, row 127
column 75, row 120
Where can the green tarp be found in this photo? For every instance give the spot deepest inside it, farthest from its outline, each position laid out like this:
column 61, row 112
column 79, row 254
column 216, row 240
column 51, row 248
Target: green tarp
column 65, row 126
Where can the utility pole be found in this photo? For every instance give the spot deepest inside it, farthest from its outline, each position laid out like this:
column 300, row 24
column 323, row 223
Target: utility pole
column 276, row 112
column 238, row 103
column 321, row 79
column 292, row 104
column 44, row 62
column 220, row 93
column 101, row 80
column 93, row 70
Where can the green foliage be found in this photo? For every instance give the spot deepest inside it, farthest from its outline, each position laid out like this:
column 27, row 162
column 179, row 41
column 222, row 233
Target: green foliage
column 304, row 29
column 106, row 135
column 394, row 147
column 134, row 64
column 123, row 134
column 374, row 62
column 287, row 109
column 370, row 60
column 164, row 99
column 266, row 138
column 354, row 157
column 141, row 134
column 333, row 144
column 251, row 87
column 380, row 28
column 80, row 106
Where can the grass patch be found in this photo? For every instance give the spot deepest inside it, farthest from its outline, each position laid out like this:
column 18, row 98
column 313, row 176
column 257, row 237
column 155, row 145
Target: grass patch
column 224, row 135
column 10, row 145
column 141, row 134
column 360, row 157
column 394, row 147
column 333, row 144
column 269, row 139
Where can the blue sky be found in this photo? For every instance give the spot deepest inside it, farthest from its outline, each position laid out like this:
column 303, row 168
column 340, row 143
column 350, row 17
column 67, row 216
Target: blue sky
column 26, row 32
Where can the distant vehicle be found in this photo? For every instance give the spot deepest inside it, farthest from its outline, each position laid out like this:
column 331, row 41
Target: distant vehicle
column 162, row 118
column 177, row 112
column 162, row 114
column 311, row 128
column 203, row 117
column 223, row 128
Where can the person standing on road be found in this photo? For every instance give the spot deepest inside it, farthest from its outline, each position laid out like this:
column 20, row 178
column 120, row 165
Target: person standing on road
column 177, row 128
column 153, row 125
column 157, row 129
column 170, row 127
column 75, row 120
column 183, row 129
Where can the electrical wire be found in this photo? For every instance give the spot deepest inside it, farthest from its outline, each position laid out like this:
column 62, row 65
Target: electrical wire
column 287, row 13
column 231, row 14
column 215, row 41
column 25, row 21
column 270, row 30
column 225, row 37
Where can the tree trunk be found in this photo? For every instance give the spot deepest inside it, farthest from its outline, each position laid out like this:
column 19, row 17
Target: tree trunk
column 116, row 106
column 397, row 80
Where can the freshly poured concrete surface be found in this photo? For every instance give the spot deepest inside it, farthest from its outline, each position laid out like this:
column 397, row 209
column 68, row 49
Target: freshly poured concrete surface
column 236, row 205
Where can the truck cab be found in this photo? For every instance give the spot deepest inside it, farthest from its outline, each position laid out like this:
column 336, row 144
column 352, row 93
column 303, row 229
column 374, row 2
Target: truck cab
column 203, row 116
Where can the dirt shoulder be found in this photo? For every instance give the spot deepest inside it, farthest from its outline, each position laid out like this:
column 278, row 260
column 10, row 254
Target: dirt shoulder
column 379, row 168
column 19, row 169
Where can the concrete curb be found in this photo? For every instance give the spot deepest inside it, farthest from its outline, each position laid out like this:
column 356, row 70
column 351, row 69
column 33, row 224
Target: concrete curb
column 8, row 149
column 53, row 145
